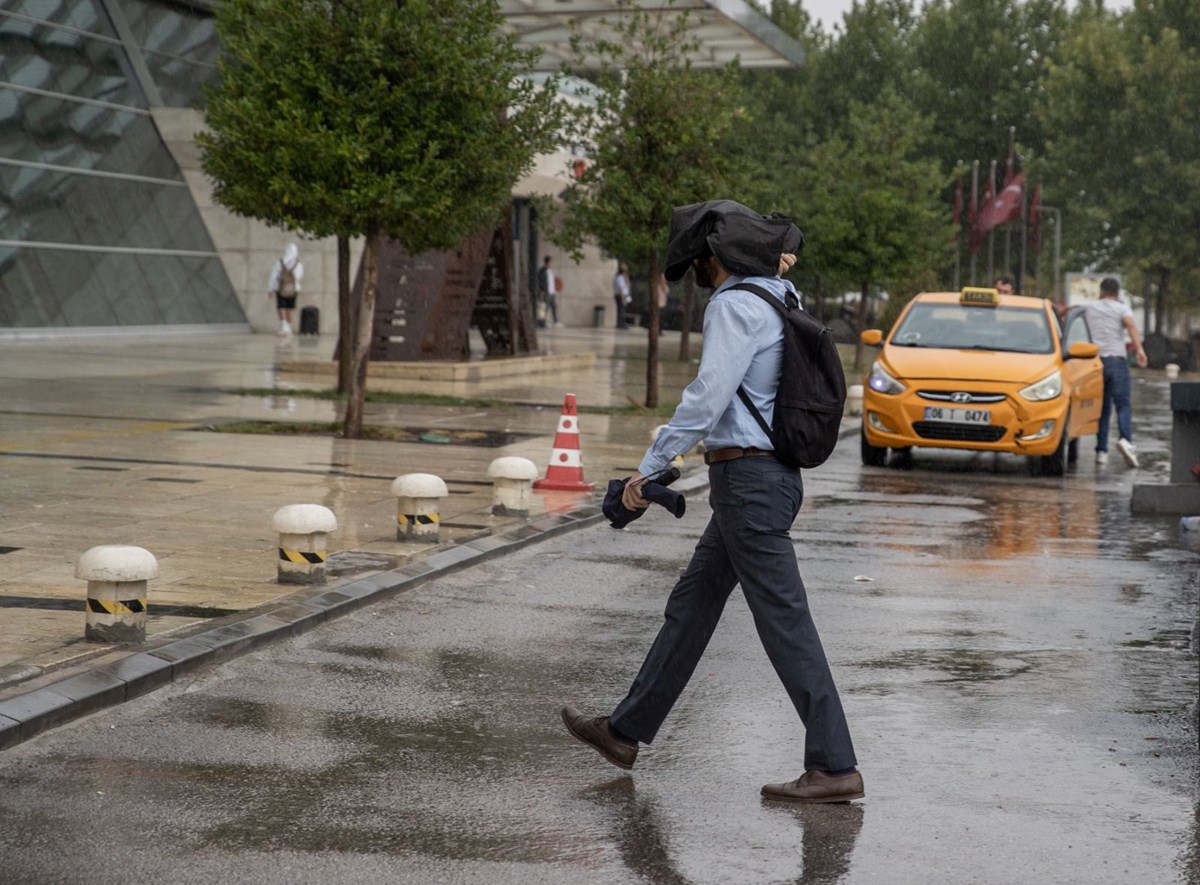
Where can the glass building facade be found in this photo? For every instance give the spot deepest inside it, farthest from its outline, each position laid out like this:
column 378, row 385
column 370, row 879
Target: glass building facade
column 97, row 225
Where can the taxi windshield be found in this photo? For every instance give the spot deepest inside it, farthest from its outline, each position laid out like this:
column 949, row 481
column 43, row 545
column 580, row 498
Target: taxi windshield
column 963, row 327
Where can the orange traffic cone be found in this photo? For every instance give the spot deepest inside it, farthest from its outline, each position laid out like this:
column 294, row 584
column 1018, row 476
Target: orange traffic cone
column 565, row 472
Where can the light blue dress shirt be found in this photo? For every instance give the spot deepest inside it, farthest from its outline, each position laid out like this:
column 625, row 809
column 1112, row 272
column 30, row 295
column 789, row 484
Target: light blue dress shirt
column 743, row 344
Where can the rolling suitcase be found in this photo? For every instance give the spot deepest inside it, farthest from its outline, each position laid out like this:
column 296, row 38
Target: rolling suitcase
column 310, row 320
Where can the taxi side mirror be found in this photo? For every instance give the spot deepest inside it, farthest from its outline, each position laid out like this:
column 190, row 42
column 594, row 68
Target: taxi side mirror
column 1082, row 350
column 871, row 337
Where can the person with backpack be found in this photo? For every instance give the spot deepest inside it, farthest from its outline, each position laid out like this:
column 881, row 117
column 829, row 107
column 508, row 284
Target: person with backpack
column 755, row 494
column 286, row 275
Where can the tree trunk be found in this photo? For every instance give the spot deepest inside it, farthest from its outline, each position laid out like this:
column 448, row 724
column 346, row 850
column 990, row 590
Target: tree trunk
column 862, row 324
column 352, row 427
column 346, row 316
column 652, row 337
column 685, row 322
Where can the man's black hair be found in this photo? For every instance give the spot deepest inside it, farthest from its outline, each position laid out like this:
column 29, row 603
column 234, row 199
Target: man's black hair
column 1110, row 285
column 1004, row 278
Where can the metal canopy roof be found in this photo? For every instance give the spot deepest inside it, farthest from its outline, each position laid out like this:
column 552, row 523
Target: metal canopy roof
column 726, row 30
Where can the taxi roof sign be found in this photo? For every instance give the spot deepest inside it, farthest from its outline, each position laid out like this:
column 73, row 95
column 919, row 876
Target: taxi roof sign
column 979, row 297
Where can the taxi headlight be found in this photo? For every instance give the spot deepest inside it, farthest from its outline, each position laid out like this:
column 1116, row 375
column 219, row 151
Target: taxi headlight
column 1048, row 388
column 881, row 382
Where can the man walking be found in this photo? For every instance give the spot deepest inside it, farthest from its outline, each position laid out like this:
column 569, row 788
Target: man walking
column 548, row 291
column 622, row 293
column 754, row 500
column 1109, row 319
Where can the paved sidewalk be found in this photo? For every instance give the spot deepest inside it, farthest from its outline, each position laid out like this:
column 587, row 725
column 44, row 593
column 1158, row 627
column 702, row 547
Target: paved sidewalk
column 105, row 441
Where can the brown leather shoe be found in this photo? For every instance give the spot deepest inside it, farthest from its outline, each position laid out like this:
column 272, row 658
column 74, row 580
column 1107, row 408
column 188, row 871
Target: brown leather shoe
column 817, row 786
column 596, row 732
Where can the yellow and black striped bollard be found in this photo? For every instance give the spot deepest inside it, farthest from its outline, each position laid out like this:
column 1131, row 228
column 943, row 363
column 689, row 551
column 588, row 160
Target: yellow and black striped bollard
column 303, row 540
column 117, row 592
column 418, row 497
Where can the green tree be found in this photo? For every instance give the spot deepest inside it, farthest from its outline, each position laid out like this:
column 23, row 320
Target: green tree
column 1123, row 110
column 658, row 135
column 370, row 118
column 870, row 54
column 874, row 213
column 978, row 69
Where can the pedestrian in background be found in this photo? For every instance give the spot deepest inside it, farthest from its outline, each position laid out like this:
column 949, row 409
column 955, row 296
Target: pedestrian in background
column 549, row 285
column 660, row 291
column 284, row 285
column 1004, row 285
column 754, row 499
column 622, row 293
column 1109, row 319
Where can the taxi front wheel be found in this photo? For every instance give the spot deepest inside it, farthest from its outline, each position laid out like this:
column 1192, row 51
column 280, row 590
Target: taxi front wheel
column 1054, row 464
column 872, row 456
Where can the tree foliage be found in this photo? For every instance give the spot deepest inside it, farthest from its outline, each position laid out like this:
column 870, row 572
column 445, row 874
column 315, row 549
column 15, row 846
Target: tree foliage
column 370, row 118
column 658, row 134
column 1123, row 108
column 874, row 215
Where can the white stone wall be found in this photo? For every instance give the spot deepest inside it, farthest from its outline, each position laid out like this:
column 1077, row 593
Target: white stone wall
column 248, row 248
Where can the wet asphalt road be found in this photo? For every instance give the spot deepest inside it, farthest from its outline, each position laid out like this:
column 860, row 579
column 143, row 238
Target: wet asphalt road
column 1017, row 674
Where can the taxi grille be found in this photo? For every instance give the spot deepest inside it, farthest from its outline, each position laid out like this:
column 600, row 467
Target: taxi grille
column 959, row 432
column 945, row 396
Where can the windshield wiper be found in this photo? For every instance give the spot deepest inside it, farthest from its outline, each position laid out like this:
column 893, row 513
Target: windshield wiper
column 997, row 349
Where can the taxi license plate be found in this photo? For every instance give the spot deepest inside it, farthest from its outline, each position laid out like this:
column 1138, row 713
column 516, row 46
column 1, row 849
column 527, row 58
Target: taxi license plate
column 958, row 416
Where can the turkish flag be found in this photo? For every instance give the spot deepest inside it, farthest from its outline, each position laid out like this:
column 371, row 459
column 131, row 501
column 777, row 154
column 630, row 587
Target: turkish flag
column 1035, row 220
column 1003, row 207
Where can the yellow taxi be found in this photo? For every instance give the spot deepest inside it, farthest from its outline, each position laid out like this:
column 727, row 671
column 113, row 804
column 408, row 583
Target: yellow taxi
column 979, row 370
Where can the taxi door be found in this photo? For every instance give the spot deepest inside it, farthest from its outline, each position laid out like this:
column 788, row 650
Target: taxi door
column 1082, row 379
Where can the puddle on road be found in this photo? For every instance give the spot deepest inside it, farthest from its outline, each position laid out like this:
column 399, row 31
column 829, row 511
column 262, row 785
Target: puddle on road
column 957, row 665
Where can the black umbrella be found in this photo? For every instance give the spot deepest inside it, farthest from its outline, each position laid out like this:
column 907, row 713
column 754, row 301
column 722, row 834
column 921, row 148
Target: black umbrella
column 655, row 491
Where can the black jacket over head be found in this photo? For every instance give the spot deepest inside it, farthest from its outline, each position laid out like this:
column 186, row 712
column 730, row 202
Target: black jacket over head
column 747, row 244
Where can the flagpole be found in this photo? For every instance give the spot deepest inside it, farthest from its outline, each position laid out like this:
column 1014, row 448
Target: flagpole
column 958, row 229
column 1008, row 174
column 992, row 231
column 974, row 196
column 1024, row 243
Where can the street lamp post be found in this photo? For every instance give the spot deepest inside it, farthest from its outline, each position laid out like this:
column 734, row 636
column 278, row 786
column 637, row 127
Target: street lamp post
column 1057, row 247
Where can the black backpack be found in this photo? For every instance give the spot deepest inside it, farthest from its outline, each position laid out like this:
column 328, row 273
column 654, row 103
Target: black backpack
column 812, row 388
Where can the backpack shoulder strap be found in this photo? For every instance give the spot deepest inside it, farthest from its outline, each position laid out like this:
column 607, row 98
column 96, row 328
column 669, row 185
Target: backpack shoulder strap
column 741, row 391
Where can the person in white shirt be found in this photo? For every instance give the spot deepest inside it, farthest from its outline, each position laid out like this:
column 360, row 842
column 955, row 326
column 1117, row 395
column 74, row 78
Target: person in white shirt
column 284, row 285
column 621, row 293
column 1109, row 319
column 548, row 291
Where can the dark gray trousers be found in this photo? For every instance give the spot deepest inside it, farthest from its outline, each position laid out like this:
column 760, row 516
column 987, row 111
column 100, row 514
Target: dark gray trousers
column 754, row 502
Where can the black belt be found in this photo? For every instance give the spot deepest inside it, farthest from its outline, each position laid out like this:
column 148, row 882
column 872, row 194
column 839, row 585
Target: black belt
column 716, row 456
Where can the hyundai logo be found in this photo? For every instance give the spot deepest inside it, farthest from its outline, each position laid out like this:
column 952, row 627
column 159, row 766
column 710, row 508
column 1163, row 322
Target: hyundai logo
column 961, row 397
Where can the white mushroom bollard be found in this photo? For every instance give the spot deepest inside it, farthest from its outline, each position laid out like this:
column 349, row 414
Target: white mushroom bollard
column 418, row 497
column 116, row 592
column 303, row 538
column 1172, row 370
column 512, row 485
column 854, row 399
